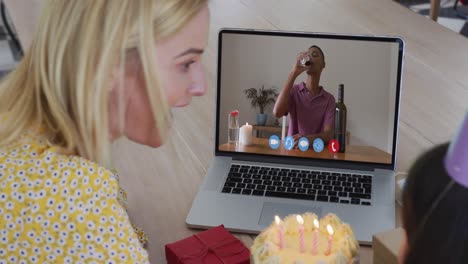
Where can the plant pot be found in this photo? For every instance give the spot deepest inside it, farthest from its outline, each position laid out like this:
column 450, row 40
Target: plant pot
column 262, row 119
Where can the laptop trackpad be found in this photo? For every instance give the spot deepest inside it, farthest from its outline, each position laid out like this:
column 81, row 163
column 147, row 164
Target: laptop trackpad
column 270, row 209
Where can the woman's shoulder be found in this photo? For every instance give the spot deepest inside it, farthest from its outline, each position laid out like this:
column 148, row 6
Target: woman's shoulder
column 62, row 195
column 32, row 156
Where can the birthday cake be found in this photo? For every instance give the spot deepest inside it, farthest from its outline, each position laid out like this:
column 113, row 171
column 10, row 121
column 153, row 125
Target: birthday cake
column 304, row 239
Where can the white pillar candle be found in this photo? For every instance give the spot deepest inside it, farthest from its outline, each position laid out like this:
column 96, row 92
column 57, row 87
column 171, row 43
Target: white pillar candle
column 245, row 135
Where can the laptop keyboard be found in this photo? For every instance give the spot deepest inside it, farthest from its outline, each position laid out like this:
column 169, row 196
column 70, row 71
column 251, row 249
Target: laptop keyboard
column 313, row 185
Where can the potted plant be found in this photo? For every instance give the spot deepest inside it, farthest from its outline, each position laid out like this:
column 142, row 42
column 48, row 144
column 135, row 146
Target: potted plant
column 261, row 98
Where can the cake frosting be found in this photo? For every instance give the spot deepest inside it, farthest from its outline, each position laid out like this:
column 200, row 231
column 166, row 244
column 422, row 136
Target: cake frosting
column 344, row 250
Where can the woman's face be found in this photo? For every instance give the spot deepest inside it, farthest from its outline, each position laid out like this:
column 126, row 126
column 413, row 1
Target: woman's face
column 181, row 74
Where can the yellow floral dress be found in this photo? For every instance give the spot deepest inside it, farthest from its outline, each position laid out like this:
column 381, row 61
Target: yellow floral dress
column 57, row 208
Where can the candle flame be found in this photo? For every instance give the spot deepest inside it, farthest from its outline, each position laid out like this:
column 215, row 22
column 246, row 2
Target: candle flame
column 246, row 124
column 316, row 223
column 277, row 220
column 299, row 219
column 330, row 230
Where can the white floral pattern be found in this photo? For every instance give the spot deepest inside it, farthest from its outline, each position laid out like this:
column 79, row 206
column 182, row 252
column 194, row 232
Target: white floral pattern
column 56, row 208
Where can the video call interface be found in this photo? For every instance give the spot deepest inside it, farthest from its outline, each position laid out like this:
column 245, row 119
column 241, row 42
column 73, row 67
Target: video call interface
column 318, row 98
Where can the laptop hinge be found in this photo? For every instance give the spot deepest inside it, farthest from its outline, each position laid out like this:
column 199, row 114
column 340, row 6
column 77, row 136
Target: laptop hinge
column 307, row 163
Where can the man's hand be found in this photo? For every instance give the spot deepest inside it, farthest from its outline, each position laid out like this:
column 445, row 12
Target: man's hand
column 298, row 68
column 281, row 107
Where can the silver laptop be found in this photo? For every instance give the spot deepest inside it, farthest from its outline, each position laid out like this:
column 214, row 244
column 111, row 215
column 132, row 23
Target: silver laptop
column 291, row 147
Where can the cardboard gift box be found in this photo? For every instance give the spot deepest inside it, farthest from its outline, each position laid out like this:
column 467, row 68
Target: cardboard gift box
column 213, row 246
column 386, row 246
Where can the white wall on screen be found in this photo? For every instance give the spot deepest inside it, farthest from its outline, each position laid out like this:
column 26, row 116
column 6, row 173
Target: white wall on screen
column 367, row 70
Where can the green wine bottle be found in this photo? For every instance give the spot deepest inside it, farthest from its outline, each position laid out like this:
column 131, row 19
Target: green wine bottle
column 340, row 120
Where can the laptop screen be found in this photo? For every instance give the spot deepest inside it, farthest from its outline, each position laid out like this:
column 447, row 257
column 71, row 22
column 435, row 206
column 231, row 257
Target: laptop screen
column 308, row 96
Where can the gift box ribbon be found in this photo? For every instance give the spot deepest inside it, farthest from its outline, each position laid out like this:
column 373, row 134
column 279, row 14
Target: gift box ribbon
column 207, row 249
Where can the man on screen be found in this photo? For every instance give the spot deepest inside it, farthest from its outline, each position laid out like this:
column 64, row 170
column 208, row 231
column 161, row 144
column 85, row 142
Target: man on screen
column 311, row 108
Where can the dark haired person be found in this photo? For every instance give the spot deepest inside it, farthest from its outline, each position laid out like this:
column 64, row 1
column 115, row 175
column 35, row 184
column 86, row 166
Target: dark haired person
column 435, row 203
column 311, row 108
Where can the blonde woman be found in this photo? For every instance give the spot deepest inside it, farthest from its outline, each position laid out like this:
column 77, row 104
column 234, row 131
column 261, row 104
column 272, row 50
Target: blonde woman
column 96, row 71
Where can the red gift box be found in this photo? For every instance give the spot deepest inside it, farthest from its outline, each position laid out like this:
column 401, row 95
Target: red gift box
column 212, row 246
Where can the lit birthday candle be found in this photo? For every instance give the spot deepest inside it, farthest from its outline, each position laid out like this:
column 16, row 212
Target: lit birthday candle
column 280, row 231
column 316, row 232
column 330, row 239
column 300, row 220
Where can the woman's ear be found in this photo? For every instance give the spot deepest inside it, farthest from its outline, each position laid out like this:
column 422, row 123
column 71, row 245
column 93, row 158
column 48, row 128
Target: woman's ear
column 403, row 249
column 126, row 74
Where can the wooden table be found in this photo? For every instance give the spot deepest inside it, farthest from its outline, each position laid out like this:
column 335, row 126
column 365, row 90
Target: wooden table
column 353, row 153
column 434, row 10
column 161, row 183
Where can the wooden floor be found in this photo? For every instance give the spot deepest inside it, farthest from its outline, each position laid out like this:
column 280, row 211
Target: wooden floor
column 162, row 183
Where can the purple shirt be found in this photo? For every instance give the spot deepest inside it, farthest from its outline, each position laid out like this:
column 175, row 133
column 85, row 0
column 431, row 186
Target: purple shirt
column 309, row 114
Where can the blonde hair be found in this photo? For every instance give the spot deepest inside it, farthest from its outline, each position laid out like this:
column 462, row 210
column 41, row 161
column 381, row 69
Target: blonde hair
column 63, row 81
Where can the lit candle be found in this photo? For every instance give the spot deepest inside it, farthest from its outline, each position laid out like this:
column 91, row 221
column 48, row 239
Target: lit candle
column 280, row 231
column 245, row 134
column 301, row 232
column 330, row 238
column 316, row 231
